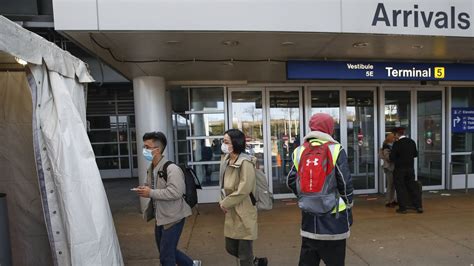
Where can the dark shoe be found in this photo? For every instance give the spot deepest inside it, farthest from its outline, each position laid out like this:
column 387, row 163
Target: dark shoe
column 401, row 211
column 390, row 205
column 395, row 203
column 260, row 261
column 419, row 210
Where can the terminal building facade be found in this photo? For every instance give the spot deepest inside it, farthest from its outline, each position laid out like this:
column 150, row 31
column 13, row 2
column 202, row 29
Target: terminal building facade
column 201, row 67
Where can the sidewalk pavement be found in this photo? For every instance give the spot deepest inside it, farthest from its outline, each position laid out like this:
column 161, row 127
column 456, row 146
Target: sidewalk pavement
column 442, row 235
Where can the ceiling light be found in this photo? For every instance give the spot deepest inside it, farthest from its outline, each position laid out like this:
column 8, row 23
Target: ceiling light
column 287, row 43
column 230, row 43
column 417, row 46
column 21, row 61
column 360, row 44
column 173, row 42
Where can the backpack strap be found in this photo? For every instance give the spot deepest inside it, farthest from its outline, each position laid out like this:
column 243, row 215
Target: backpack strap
column 164, row 173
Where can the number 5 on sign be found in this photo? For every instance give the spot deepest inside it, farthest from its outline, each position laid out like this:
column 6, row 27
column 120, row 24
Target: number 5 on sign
column 439, row 72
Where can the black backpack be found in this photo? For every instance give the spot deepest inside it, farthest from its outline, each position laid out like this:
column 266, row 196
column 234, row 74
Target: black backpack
column 191, row 181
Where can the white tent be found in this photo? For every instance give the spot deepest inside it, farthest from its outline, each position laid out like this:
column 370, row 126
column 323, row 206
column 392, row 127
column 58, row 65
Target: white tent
column 57, row 206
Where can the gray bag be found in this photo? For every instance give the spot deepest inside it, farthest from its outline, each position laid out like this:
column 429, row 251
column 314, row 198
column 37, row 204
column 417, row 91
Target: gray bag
column 263, row 197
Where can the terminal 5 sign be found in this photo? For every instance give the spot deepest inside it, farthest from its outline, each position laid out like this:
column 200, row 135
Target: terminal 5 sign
column 338, row 70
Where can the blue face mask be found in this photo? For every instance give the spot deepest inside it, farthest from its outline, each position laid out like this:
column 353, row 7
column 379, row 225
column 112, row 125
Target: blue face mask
column 147, row 154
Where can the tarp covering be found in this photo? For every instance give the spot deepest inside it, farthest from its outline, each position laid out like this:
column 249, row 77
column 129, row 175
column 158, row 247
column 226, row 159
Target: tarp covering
column 18, row 173
column 46, row 160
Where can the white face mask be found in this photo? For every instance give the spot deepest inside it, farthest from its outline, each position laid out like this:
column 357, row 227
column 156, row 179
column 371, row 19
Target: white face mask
column 225, row 148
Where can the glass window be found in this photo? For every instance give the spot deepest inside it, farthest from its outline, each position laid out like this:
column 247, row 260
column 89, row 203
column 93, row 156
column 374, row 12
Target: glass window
column 462, row 97
column 208, row 174
column 124, row 149
column 284, row 135
column 124, row 163
column 397, row 111
column 100, row 122
column 207, row 124
column 105, row 149
column 360, row 138
column 207, row 99
column 430, row 137
column 459, row 164
column 205, row 150
column 107, row 163
column 102, row 136
column 327, row 102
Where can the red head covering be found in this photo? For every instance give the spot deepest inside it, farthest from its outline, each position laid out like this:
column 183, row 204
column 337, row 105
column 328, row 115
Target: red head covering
column 322, row 122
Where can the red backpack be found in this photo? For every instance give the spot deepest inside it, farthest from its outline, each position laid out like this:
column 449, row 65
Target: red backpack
column 317, row 186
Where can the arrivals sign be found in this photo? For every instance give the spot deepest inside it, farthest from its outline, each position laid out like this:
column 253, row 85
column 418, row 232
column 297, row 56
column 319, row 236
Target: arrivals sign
column 357, row 70
column 462, row 120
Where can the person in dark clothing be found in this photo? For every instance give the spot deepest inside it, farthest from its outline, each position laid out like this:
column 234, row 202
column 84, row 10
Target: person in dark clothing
column 324, row 236
column 403, row 153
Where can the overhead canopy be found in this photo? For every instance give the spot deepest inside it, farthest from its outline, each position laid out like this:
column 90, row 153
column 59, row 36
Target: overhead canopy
column 47, row 167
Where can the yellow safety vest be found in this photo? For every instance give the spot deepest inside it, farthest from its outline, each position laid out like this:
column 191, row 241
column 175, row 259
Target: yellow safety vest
column 334, row 149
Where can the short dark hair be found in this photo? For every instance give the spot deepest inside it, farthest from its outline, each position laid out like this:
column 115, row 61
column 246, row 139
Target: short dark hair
column 158, row 137
column 237, row 138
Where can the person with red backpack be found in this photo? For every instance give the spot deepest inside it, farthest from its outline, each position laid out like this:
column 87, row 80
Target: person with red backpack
column 322, row 182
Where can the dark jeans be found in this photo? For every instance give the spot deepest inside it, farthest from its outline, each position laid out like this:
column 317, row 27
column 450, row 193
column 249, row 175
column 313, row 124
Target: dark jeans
column 241, row 249
column 332, row 252
column 167, row 242
column 407, row 189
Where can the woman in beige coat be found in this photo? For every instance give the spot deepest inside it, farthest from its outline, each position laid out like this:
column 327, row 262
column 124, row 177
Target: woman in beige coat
column 238, row 182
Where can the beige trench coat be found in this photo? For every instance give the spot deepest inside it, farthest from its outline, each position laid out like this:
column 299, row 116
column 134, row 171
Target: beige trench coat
column 237, row 181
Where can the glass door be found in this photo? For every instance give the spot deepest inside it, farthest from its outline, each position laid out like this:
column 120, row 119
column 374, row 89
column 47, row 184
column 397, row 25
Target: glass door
column 396, row 112
column 421, row 112
column 353, row 111
column 246, row 111
column 429, row 137
column 284, row 135
column 361, row 137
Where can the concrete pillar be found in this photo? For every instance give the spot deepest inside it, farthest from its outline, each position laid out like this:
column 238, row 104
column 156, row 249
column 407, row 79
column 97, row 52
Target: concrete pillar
column 151, row 114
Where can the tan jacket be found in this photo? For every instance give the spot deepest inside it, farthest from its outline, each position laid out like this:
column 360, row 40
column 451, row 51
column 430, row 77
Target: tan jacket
column 169, row 203
column 237, row 181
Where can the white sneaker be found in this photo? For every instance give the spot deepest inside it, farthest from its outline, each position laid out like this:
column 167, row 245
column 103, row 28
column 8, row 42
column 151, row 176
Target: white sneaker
column 196, row 263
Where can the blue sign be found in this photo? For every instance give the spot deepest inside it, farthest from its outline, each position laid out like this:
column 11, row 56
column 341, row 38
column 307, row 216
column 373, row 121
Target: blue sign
column 356, row 70
column 462, row 120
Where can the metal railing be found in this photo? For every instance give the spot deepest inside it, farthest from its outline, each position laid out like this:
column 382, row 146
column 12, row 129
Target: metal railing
column 466, row 173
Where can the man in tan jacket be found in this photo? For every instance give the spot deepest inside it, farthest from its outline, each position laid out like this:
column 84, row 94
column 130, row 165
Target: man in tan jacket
column 167, row 194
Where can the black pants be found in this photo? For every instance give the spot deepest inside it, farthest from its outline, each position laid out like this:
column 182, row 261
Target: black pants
column 332, row 252
column 241, row 249
column 406, row 187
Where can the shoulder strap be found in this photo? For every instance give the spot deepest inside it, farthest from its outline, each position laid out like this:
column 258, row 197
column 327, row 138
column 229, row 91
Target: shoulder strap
column 164, row 173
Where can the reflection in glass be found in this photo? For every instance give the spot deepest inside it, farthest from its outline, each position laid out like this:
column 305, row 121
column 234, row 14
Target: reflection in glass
column 462, row 97
column 105, row 149
column 429, row 139
column 124, row 162
column 207, row 124
column 459, row 164
column 206, row 150
column 107, row 163
column 247, row 116
column 360, row 138
column 397, row 111
column 210, row 174
column 207, row 99
column 327, row 102
column 99, row 122
column 102, row 136
column 124, row 149
column 285, row 135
